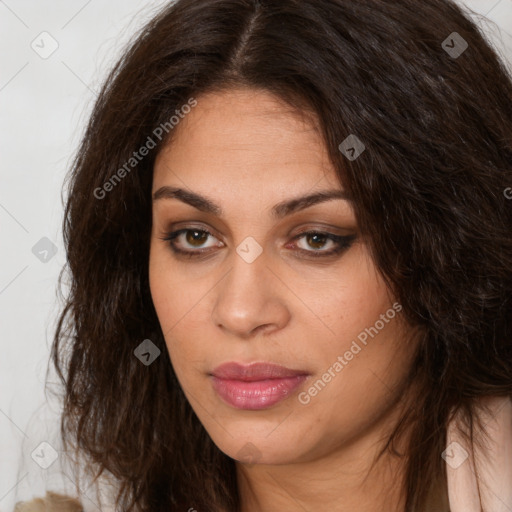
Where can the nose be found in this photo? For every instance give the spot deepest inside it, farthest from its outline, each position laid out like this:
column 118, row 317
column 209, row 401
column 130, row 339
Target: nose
column 250, row 299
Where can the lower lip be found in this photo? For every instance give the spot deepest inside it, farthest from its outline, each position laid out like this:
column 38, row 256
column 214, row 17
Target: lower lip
column 258, row 394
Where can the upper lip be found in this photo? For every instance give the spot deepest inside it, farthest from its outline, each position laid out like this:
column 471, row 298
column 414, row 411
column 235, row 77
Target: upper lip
column 254, row 371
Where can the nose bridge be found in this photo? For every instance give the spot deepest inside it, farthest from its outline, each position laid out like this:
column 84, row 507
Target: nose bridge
column 248, row 270
column 246, row 299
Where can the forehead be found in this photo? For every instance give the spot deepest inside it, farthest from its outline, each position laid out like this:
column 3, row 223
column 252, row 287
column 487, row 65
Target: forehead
column 243, row 136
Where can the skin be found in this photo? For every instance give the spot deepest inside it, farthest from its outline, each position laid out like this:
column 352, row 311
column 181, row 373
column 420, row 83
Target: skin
column 247, row 151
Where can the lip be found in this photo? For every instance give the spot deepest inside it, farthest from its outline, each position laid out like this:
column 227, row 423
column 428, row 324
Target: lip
column 255, row 386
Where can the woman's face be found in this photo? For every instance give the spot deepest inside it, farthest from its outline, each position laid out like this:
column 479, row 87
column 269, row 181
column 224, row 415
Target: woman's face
column 240, row 281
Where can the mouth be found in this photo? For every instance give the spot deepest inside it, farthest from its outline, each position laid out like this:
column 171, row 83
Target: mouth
column 256, row 386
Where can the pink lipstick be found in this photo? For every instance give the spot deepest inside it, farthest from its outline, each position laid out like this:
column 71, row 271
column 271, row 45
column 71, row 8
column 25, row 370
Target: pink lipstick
column 255, row 386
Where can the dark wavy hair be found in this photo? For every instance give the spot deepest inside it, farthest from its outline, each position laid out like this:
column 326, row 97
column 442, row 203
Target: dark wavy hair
column 428, row 191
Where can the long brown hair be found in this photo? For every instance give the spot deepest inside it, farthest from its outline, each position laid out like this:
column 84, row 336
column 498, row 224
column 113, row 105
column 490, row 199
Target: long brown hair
column 429, row 192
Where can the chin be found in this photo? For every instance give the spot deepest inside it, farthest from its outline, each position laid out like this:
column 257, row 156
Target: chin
column 258, row 447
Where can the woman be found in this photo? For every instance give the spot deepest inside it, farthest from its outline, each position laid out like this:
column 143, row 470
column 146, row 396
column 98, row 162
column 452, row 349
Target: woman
column 290, row 250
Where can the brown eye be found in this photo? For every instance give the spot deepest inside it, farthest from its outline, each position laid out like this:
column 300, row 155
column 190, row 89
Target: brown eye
column 191, row 242
column 316, row 240
column 315, row 243
column 196, row 237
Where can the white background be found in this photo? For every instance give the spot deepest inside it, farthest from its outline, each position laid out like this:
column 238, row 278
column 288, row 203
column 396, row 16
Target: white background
column 44, row 104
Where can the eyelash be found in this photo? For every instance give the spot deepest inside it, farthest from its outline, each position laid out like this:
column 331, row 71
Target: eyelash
column 343, row 243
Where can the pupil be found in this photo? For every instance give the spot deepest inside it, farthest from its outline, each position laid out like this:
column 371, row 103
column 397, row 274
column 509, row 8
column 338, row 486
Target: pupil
column 193, row 239
column 319, row 244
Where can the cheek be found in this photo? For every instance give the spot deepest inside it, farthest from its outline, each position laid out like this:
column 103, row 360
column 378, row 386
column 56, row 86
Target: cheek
column 163, row 286
column 176, row 303
column 173, row 293
column 366, row 353
column 351, row 299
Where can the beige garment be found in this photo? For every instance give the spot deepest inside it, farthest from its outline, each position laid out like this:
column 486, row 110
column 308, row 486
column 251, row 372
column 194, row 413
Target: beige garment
column 52, row 502
column 494, row 487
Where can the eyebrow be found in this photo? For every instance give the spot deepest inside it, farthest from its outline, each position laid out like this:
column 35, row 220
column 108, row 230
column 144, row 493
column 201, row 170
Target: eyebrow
column 280, row 210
